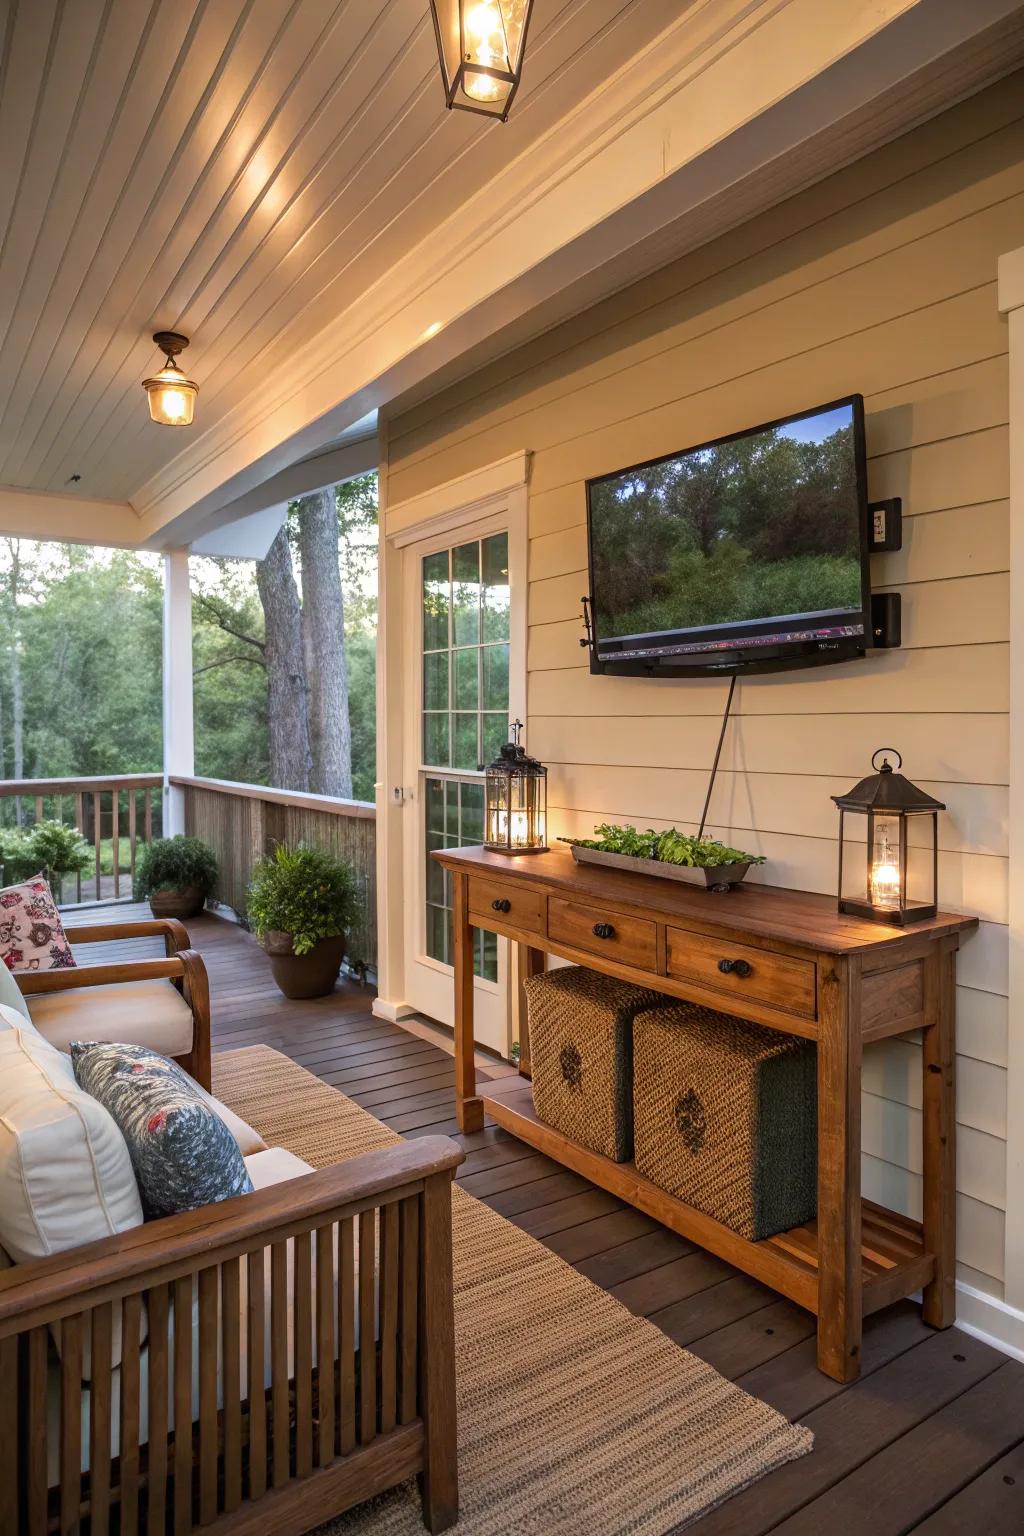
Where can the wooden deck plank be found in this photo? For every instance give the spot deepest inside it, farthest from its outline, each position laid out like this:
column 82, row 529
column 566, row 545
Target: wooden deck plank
column 930, row 1439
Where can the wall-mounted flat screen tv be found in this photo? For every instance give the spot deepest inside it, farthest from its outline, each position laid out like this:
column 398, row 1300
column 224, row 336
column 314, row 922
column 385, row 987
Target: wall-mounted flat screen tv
column 745, row 554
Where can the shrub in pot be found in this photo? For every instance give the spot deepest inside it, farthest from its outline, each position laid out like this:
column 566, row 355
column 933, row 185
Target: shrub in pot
column 301, row 902
column 177, row 874
column 48, row 848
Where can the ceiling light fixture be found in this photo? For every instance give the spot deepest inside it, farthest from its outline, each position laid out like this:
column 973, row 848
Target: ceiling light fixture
column 172, row 397
column 481, row 44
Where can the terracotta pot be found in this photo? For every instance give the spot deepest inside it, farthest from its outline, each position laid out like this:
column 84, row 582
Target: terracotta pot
column 309, row 975
column 186, row 902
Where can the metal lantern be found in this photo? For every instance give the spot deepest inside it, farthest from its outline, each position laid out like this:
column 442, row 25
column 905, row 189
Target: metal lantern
column 516, row 796
column 172, row 397
column 481, row 44
column 888, row 800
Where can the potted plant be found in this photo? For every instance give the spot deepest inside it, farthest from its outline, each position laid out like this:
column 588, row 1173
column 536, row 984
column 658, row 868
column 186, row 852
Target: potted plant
column 58, row 851
column 301, row 901
column 177, row 874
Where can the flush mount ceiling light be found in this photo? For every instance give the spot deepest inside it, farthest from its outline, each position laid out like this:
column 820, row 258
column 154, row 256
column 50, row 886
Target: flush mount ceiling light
column 172, row 397
column 481, row 44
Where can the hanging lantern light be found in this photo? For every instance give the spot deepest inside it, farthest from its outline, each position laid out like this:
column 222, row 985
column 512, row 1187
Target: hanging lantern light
column 516, row 796
column 888, row 800
column 480, row 44
column 172, row 397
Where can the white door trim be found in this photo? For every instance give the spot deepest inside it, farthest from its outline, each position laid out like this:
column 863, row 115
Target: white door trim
column 440, row 513
column 1011, row 304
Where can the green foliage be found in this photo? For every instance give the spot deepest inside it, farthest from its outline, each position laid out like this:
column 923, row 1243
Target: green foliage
column 710, row 537
column 671, row 847
column 305, row 892
column 175, row 864
column 48, row 848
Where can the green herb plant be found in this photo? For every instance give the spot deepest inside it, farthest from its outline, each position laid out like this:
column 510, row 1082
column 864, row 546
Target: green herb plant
column 671, row 847
column 48, row 847
column 175, row 864
column 305, row 892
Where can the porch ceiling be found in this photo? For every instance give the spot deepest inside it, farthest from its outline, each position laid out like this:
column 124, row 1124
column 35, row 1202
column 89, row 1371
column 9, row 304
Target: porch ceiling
column 283, row 184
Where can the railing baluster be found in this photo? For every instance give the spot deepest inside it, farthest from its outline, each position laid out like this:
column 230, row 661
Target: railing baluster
column 39, row 807
column 133, row 795
column 96, row 824
column 148, row 815
column 80, row 824
column 115, row 845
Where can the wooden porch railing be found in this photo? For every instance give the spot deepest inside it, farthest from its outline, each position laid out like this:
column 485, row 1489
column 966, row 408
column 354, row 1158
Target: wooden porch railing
column 121, row 810
column 243, row 822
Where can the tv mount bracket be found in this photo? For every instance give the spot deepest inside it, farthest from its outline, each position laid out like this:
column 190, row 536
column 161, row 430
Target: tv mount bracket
column 587, row 640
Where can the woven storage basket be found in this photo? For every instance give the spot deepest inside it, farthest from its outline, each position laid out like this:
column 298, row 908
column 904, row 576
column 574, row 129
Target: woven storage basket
column 581, row 1054
column 725, row 1117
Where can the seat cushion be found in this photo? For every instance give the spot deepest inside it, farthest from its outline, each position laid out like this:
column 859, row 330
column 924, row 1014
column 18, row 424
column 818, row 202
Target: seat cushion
column 183, row 1154
column 273, row 1166
column 65, row 1174
column 152, row 1013
column 11, row 994
column 31, row 933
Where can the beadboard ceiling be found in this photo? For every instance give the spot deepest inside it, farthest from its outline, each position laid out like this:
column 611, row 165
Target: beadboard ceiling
column 250, row 172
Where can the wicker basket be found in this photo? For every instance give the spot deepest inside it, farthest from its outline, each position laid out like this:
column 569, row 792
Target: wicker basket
column 725, row 1117
column 581, row 1053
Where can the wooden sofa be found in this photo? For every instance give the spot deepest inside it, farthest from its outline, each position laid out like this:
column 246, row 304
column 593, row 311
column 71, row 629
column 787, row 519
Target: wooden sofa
column 305, row 1394
column 59, row 998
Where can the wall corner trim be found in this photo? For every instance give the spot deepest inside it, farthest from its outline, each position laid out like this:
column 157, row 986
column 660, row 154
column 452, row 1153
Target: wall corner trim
column 392, row 1012
column 428, row 513
column 987, row 1318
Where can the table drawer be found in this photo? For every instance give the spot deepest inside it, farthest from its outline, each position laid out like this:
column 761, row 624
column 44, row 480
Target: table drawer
column 502, row 902
column 740, row 969
column 630, row 940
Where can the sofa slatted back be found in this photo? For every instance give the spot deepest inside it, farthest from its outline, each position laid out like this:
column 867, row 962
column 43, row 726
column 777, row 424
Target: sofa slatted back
column 259, row 1364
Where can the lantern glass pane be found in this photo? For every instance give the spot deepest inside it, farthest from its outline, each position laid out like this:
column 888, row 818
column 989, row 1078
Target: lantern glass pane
column 885, row 872
column 172, row 398
column 514, row 16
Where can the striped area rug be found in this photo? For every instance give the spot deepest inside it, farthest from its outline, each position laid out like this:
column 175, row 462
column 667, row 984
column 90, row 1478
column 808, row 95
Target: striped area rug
column 575, row 1417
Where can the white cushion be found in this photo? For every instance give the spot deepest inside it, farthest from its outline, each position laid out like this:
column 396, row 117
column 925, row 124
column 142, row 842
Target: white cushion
column 273, row 1166
column 249, row 1140
column 65, row 1174
column 152, row 1013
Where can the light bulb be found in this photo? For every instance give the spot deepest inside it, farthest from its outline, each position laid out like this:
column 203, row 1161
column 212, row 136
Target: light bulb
column 485, row 33
column 174, row 404
column 481, row 87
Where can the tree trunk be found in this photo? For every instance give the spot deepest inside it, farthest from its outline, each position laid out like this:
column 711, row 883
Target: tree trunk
column 286, row 673
column 323, row 628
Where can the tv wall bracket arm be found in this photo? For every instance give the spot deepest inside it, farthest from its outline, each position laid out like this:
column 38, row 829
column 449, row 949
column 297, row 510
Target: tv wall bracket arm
column 587, row 640
column 718, row 754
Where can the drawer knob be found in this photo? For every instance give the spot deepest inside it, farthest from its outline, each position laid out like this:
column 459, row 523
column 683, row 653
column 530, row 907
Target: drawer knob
column 501, row 904
column 735, row 967
column 604, row 931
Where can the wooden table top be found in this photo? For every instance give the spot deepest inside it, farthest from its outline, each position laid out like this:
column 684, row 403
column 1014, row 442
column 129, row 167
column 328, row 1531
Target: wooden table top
column 803, row 918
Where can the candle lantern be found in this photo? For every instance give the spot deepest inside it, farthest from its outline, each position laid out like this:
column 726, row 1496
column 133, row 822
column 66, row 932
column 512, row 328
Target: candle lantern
column 888, row 800
column 516, row 793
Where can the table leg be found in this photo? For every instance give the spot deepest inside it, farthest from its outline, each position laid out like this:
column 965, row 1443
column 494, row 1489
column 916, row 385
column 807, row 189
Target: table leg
column 939, row 1138
column 840, row 1295
column 469, row 1109
column 531, row 963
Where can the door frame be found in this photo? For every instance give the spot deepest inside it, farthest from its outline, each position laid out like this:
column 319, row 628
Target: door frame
column 442, row 512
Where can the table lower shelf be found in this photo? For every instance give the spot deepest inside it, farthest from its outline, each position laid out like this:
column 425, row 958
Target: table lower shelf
column 894, row 1262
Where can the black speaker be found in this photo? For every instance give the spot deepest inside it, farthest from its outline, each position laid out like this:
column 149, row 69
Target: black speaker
column 886, row 620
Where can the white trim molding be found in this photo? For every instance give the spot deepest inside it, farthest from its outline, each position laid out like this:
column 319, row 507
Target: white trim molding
column 1011, row 304
column 992, row 1321
column 445, row 507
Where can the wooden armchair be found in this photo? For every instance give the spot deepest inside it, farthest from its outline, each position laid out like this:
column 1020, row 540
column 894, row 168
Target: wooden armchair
column 296, row 1357
column 182, row 967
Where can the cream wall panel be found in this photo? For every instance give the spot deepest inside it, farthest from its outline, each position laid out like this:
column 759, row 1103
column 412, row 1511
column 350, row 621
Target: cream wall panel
column 881, row 280
column 936, row 745
column 966, row 679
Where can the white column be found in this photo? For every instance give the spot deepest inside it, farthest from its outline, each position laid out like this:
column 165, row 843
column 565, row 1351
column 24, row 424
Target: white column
column 1011, row 304
column 179, row 750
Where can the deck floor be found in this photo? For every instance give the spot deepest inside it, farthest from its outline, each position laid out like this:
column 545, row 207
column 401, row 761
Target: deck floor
column 930, row 1439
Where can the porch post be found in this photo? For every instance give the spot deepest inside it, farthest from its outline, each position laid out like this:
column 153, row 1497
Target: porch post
column 1011, row 304
column 179, row 753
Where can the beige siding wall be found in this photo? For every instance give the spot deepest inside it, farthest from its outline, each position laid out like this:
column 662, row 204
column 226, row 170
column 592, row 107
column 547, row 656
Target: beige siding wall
column 881, row 280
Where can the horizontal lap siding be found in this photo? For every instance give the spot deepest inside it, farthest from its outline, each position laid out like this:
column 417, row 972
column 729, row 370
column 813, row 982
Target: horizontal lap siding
column 882, row 280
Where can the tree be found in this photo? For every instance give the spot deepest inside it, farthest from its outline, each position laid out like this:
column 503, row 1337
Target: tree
column 286, row 672
column 323, row 631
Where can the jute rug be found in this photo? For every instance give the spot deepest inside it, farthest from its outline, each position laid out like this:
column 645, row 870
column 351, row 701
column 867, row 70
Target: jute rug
column 575, row 1417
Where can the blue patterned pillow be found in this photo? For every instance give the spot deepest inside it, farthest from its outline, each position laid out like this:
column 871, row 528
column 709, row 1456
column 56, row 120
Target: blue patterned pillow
column 182, row 1153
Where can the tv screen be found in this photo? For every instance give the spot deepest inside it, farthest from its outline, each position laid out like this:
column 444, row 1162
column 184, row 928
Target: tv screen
column 749, row 553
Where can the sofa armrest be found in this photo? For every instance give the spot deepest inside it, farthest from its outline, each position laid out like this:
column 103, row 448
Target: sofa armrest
column 159, row 1252
column 174, row 934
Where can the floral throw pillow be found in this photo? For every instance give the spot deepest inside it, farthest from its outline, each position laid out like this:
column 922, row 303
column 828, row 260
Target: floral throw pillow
column 31, row 934
column 183, row 1155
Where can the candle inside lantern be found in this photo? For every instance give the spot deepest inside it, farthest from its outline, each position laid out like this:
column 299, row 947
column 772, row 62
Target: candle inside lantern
column 885, row 869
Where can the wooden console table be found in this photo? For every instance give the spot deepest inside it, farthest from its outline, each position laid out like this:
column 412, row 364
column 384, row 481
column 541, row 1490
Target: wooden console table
column 795, row 965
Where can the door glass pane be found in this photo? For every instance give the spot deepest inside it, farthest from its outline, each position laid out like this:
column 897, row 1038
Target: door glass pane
column 467, row 749
column 435, row 680
column 494, row 659
column 496, row 597
column 435, row 602
column 466, row 594
column 467, row 687
column 458, row 809
column 435, row 740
